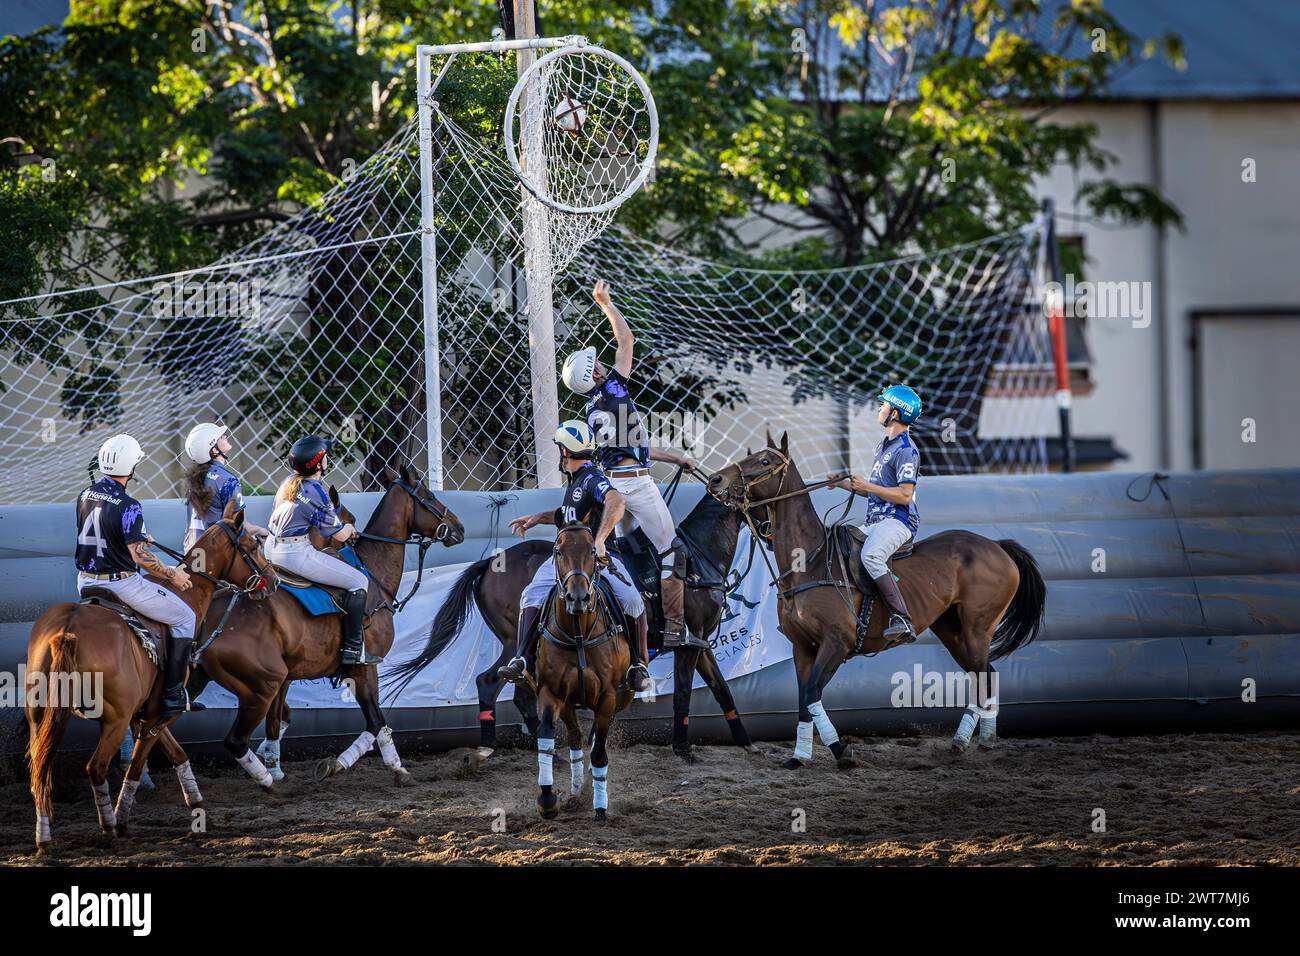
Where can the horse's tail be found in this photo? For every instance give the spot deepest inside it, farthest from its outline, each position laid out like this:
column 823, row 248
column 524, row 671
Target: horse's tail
column 1024, row 618
column 446, row 626
column 56, row 708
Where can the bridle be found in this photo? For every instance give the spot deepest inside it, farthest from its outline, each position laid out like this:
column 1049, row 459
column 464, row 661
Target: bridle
column 424, row 542
column 587, row 605
column 256, row 583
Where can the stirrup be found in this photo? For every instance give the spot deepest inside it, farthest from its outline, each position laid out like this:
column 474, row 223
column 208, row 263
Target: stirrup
column 350, row 657
column 675, row 638
column 638, row 669
column 899, row 630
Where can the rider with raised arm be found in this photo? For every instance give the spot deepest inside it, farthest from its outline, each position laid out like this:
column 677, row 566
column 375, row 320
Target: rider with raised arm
column 113, row 554
column 624, row 454
column 588, row 497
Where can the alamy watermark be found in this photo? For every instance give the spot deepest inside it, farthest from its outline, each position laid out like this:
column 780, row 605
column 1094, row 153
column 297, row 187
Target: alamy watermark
column 1100, row 300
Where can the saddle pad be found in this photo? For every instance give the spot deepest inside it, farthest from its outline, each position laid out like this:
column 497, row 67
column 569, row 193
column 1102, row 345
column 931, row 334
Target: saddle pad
column 316, row 600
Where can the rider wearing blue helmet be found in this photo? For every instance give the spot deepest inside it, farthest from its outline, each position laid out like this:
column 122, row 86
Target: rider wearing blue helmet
column 892, row 518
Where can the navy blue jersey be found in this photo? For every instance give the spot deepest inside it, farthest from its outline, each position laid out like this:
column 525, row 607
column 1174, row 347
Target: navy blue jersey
column 584, row 497
column 108, row 520
column 225, row 487
column 614, row 419
column 897, row 463
column 311, row 509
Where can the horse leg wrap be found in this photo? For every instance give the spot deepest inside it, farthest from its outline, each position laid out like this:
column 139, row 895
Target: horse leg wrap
column 803, row 740
column 256, row 769
column 104, row 806
column 545, row 757
column 969, row 720
column 825, row 729
column 361, row 746
column 576, row 771
column 189, row 786
column 43, row 834
column 989, row 722
column 600, row 787
column 270, row 753
column 388, row 749
column 126, row 799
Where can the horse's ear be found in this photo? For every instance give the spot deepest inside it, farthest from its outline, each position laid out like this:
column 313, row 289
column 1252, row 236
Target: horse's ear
column 239, row 519
column 388, row 476
column 785, row 442
column 767, row 438
column 409, row 476
column 334, row 497
column 232, row 506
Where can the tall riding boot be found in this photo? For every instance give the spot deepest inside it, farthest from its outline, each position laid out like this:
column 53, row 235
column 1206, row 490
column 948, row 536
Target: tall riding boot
column 174, row 699
column 899, row 630
column 354, row 625
column 638, row 675
column 673, row 592
column 525, row 642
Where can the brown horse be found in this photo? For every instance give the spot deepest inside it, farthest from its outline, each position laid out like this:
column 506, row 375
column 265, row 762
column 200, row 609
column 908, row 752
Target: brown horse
column 580, row 662
column 260, row 649
column 984, row 599
column 72, row 645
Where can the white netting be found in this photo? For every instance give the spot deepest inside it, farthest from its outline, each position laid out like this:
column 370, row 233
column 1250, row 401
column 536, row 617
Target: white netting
column 317, row 326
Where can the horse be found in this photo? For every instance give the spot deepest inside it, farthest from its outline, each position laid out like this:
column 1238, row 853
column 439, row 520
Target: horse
column 72, row 643
column 495, row 583
column 256, row 651
column 580, row 662
column 984, row 599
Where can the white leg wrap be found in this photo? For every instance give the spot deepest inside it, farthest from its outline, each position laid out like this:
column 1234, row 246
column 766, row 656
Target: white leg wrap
column 189, row 786
column 967, row 725
column 825, row 729
column 104, row 806
column 545, row 756
column 126, row 799
column 803, row 740
column 43, row 834
column 256, row 769
column 388, row 749
column 362, row 745
column 989, row 722
column 600, row 787
column 577, row 771
column 270, row 753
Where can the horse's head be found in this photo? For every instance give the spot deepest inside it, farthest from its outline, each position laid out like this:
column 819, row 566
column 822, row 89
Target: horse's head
column 429, row 517
column 575, row 567
column 755, row 478
column 227, row 551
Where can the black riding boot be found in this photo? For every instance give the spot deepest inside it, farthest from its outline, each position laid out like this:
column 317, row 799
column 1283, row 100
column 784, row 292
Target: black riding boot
column 174, row 699
column 354, row 627
column 638, row 676
column 672, row 591
column 899, row 630
column 525, row 642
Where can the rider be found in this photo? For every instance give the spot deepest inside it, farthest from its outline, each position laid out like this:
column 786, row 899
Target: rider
column 625, row 456
column 113, row 554
column 891, row 506
column 588, row 497
column 302, row 503
column 210, row 484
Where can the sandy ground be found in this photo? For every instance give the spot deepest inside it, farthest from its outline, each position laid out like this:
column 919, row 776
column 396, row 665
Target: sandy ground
column 1205, row 799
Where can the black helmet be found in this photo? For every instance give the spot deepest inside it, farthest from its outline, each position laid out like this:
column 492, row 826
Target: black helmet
column 306, row 454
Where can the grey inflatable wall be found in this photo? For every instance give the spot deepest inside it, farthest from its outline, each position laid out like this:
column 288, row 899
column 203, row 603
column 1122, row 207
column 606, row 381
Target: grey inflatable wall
column 1172, row 604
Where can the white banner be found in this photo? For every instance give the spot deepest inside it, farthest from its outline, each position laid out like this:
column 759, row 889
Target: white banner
column 748, row 640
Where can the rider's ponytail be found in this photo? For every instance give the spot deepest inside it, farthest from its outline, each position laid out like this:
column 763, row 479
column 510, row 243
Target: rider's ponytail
column 289, row 489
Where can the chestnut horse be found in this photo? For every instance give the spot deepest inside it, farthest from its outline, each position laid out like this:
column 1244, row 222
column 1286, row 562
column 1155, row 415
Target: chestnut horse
column 581, row 660
column 984, row 599
column 260, row 649
column 72, row 644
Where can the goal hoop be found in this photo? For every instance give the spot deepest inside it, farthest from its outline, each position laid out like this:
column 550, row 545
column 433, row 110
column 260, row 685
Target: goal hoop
column 593, row 164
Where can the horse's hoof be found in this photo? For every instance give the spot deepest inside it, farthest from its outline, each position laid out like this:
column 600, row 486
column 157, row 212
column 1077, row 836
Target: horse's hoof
column 121, row 829
column 959, row 746
column 327, row 768
column 688, row 755
column 46, row 850
column 475, row 761
column 402, row 777
column 601, row 816
column 794, row 763
column 987, row 745
column 547, row 813
column 751, row 749
column 846, row 760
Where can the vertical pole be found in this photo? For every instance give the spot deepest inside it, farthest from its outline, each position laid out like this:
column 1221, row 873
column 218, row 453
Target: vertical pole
column 1060, row 355
column 429, row 276
column 537, row 265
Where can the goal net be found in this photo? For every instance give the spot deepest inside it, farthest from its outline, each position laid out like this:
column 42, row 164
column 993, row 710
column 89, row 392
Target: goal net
column 337, row 322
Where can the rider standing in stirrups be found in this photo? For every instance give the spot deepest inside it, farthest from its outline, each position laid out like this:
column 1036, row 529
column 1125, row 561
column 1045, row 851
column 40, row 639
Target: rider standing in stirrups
column 302, row 503
column 892, row 518
column 113, row 552
column 588, row 497
column 210, row 484
column 624, row 454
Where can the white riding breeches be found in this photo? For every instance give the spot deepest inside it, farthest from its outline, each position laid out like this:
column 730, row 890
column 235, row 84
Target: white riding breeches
column 646, row 510
column 148, row 599
column 884, row 537
column 534, row 593
column 299, row 556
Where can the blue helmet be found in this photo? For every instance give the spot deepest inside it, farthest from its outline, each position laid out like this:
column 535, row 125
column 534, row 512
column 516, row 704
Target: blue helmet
column 905, row 400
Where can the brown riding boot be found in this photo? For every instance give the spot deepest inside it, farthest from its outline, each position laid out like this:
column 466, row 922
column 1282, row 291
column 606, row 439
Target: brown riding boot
column 673, row 592
column 638, row 676
column 524, row 644
column 899, row 629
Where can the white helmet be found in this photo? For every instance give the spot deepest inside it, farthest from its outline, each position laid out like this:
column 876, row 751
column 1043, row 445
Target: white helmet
column 119, row 455
column 576, row 437
column 580, row 370
column 200, row 441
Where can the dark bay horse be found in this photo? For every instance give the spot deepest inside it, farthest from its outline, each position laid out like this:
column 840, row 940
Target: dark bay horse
column 262, row 648
column 984, row 599
column 580, row 662
column 495, row 583
column 72, row 644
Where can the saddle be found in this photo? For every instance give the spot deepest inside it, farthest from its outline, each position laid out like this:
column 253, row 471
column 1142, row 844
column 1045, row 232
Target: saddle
column 152, row 634
column 318, row 599
column 642, row 562
column 845, row 541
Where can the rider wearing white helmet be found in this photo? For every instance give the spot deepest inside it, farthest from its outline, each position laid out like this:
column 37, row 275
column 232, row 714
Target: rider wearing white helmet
column 624, row 454
column 113, row 552
column 588, row 497
column 210, row 484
